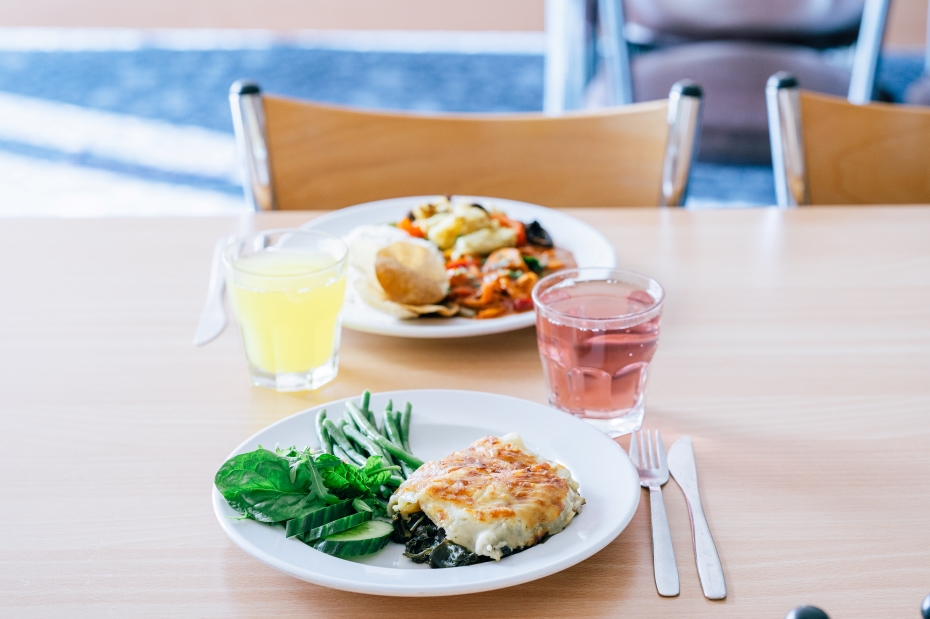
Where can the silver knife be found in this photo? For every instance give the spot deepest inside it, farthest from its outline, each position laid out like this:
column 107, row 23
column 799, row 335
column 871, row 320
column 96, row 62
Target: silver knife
column 681, row 466
column 213, row 318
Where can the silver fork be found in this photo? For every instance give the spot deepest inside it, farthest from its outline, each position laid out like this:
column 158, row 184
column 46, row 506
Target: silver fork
column 653, row 473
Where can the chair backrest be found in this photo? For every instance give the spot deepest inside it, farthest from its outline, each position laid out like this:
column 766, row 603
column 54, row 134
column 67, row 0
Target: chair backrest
column 826, row 150
column 825, row 23
column 299, row 155
column 784, row 20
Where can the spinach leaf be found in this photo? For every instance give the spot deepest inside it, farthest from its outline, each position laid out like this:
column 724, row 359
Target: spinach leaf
column 270, row 488
column 274, row 486
column 273, row 505
column 257, row 469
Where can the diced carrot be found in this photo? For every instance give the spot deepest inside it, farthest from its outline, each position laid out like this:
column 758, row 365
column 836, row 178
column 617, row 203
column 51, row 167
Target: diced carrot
column 461, row 262
column 407, row 226
column 492, row 312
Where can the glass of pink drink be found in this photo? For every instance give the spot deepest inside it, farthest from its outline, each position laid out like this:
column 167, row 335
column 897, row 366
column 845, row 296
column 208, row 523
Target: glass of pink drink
column 598, row 329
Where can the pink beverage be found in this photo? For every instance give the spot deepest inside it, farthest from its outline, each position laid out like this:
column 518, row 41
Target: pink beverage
column 598, row 330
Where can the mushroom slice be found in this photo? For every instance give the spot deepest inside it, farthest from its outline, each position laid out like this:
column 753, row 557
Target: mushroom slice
column 412, row 273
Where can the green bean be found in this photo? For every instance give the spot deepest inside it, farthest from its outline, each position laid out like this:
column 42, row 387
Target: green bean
column 396, row 419
column 394, row 481
column 366, row 401
column 349, row 420
column 405, row 425
column 389, row 409
column 326, row 443
column 382, row 442
column 340, row 439
column 373, row 420
column 393, row 432
column 369, row 449
column 364, row 441
column 341, row 453
column 385, row 492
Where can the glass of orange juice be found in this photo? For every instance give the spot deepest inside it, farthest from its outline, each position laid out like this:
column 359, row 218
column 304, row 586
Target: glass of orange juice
column 287, row 289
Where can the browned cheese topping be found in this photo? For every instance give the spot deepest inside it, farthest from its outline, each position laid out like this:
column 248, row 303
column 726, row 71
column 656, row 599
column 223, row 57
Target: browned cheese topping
column 491, row 480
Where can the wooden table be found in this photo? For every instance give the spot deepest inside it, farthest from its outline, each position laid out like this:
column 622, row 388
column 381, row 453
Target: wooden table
column 795, row 351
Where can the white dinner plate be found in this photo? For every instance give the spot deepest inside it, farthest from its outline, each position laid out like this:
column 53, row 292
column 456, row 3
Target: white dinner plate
column 590, row 248
column 444, row 421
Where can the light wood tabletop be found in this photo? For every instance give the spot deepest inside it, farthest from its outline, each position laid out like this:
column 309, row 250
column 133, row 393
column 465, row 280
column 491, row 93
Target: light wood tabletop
column 795, row 352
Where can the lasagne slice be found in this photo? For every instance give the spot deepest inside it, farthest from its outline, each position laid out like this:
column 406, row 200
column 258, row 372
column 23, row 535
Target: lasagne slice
column 491, row 499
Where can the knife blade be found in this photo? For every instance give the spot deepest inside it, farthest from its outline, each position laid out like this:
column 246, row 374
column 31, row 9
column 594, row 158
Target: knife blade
column 213, row 317
column 682, row 467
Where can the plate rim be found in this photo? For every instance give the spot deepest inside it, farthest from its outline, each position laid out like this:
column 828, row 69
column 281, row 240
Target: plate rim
column 415, row 590
column 484, row 327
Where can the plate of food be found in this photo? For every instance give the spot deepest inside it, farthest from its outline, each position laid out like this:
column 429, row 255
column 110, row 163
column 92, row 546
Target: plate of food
column 425, row 493
column 454, row 266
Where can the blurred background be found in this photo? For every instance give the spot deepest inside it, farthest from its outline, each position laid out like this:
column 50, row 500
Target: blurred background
column 116, row 108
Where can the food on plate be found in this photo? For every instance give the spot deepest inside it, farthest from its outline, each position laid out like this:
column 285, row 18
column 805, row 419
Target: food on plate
column 398, row 274
column 364, row 487
column 485, row 502
column 489, row 262
column 412, row 274
column 332, row 498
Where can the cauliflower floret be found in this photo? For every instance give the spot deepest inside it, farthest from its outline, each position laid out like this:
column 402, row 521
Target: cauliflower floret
column 484, row 241
column 474, row 217
column 425, row 211
column 444, row 232
column 435, row 220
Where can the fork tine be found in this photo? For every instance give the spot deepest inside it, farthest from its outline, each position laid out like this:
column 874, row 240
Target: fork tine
column 634, row 452
column 660, row 450
column 652, row 455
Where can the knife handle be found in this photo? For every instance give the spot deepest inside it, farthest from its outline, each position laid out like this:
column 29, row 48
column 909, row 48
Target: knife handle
column 705, row 554
column 217, row 277
column 663, row 555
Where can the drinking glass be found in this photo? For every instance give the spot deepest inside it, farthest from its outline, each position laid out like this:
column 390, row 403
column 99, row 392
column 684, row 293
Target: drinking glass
column 287, row 289
column 597, row 330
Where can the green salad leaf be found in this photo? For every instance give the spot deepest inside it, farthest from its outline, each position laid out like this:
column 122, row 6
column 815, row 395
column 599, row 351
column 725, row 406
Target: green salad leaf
column 348, row 481
column 275, row 486
column 534, row 264
column 314, row 492
column 264, row 486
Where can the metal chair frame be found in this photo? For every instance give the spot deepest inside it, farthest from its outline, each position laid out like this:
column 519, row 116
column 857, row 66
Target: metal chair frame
column 567, row 35
column 793, row 167
column 245, row 98
column 783, row 102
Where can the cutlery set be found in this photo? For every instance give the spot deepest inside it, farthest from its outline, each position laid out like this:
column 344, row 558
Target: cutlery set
column 647, row 453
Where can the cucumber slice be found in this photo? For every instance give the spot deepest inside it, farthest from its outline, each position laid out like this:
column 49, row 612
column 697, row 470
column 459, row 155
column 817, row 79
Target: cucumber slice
column 364, row 539
column 317, row 518
column 336, row 526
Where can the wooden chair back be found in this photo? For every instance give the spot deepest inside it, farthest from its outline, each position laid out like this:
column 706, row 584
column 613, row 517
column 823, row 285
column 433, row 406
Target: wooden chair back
column 325, row 157
column 829, row 151
column 865, row 154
